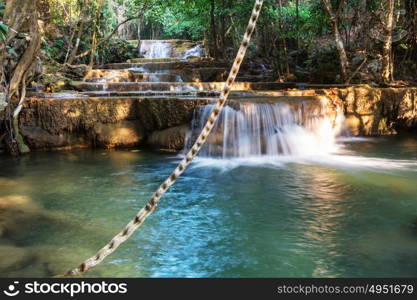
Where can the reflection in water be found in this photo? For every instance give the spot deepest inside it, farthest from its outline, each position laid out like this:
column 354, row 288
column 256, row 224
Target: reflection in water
column 293, row 218
column 272, row 130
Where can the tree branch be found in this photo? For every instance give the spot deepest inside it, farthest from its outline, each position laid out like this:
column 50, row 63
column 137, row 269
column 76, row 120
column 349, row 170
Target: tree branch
column 107, row 37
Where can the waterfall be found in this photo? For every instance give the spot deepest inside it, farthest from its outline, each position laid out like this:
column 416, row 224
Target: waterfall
column 196, row 51
column 269, row 129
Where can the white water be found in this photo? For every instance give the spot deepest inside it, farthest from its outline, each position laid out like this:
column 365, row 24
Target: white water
column 274, row 135
column 196, row 51
column 163, row 49
column 157, row 77
column 269, row 130
column 155, row 49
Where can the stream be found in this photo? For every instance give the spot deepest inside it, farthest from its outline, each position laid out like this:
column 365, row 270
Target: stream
column 346, row 214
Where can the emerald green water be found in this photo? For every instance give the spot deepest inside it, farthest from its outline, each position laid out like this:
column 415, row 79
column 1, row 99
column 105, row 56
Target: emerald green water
column 348, row 215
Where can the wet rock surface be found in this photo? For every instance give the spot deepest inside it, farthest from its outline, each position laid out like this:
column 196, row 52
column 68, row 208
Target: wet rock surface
column 147, row 99
column 107, row 122
column 171, row 139
column 379, row 111
column 129, row 121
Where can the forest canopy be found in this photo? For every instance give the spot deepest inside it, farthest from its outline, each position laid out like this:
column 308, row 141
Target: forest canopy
column 296, row 36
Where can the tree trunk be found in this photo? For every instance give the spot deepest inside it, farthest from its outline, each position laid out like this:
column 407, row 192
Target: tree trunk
column 344, row 62
column 94, row 38
column 24, row 38
column 108, row 37
column 43, row 9
column 223, row 29
column 214, row 29
column 297, row 25
column 387, row 59
column 412, row 9
column 83, row 20
column 74, row 50
column 283, row 39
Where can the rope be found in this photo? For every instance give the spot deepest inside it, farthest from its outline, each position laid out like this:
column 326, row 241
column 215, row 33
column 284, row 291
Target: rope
column 150, row 207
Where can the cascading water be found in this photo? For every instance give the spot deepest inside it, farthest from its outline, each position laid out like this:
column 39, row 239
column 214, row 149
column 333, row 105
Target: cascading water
column 196, row 51
column 274, row 134
column 155, row 49
column 269, row 129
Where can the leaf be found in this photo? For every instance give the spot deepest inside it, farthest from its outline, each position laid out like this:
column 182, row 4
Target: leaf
column 4, row 28
column 2, row 7
column 404, row 46
column 11, row 51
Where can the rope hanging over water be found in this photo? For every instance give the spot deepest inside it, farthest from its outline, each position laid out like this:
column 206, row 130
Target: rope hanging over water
column 151, row 205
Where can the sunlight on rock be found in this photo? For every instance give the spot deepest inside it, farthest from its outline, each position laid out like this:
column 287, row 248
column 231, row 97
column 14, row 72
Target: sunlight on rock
column 128, row 134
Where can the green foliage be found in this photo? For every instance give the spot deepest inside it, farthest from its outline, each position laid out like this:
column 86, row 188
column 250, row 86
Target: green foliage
column 290, row 34
column 321, row 64
column 179, row 20
column 54, row 49
column 11, row 51
column 3, row 32
column 3, row 27
column 2, row 8
column 116, row 51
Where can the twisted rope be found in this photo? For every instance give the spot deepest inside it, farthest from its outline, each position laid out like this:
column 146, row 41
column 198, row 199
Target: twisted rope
column 150, row 207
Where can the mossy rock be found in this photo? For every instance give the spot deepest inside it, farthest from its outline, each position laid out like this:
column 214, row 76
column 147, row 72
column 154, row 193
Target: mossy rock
column 55, row 83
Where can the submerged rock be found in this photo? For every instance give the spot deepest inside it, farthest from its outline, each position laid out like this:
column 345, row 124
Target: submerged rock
column 399, row 243
column 17, row 215
column 14, row 258
column 379, row 111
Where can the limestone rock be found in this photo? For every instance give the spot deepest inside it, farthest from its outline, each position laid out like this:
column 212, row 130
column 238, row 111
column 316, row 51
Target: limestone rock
column 39, row 138
column 124, row 133
column 55, row 83
column 121, row 121
column 371, row 111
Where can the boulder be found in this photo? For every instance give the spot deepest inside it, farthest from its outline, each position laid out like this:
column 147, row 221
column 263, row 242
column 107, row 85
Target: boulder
column 171, row 139
column 125, row 133
column 54, row 83
column 373, row 111
column 17, row 214
column 14, row 258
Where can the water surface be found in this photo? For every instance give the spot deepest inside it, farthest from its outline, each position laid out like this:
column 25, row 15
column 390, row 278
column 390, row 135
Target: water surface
column 346, row 215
